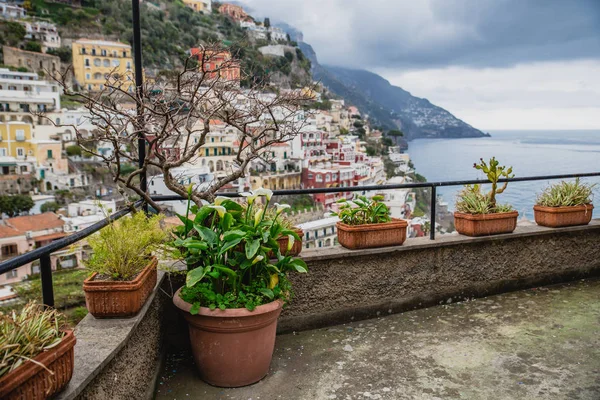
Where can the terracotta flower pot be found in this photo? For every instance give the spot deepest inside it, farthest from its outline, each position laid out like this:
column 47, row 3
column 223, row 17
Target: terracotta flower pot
column 555, row 217
column 32, row 382
column 372, row 235
column 485, row 224
column 232, row 348
column 296, row 247
column 113, row 299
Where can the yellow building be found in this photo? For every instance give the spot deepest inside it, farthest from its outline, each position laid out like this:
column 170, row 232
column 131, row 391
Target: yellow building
column 15, row 140
column 95, row 60
column 21, row 153
column 203, row 6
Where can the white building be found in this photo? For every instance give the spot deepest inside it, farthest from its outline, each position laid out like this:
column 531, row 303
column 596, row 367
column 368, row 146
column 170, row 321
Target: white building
column 277, row 34
column 10, row 11
column 74, row 224
column 199, row 177
column 320, row 233
column 92, row 207
column 42, row 31
column 24, row 92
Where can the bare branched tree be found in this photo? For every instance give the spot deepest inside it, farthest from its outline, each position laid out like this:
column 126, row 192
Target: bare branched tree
column 177, row 111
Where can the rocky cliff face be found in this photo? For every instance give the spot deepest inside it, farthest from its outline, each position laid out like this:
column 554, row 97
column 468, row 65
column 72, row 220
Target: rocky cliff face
column 390, row 105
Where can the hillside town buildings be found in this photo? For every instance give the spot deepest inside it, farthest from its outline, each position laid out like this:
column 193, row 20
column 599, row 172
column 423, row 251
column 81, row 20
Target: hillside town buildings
column 202, row 6
column 95, row 60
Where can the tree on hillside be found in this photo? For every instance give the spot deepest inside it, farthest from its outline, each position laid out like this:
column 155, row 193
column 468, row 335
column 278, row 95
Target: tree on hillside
column 267, row 23
column 11, row 33
column 15, row 205
column 73, row 150
column 64, row 53
column 50, row 206
column 178, row 113
column 33, row 45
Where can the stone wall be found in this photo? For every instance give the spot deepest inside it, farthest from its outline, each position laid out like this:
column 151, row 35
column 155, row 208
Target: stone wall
column 119, row 359
column 34, row 62
column 344, row 285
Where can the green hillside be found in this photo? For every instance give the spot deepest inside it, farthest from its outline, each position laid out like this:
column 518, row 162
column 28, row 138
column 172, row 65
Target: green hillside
column 169, row 29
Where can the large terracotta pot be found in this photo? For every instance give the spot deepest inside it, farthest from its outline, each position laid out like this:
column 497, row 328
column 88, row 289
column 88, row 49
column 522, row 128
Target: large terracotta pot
column 32, row 382
column 296, row 248
column 555, row 217
column 114, row 299
column 485, row 224
column 372, row 235
column 232, row 348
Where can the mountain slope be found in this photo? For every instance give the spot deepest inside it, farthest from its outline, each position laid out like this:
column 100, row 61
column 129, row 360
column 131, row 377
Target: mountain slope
column 389, row 105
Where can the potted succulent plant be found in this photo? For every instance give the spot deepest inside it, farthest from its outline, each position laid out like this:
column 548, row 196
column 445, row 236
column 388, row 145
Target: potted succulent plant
column 122, row 265
column 477, row 213
column 37, row 354
column 233, row 293
column 565, row 204
column 366, row 223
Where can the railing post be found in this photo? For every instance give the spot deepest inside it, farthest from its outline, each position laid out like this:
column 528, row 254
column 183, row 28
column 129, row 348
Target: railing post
column 432, row 213
column 139, row 91
column 46, row 277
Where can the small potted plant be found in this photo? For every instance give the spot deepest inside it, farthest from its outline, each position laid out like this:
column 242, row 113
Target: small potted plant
column 122, row 265
column 477, row 213
column 565, row 204
column 288, row 244
column 37, row 354
column 366, row 223
column 233, row 293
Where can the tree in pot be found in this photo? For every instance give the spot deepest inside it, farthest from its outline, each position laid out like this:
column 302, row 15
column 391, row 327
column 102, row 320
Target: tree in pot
column 477, row 213
column 123, row 266
column 233, row 293
column 37, row 353
column 565, row 204
column 366, row 223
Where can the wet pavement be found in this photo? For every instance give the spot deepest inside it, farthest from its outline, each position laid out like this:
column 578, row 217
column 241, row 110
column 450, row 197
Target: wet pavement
column 541, row 343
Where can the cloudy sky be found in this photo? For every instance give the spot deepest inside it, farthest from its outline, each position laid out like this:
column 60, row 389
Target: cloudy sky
column 497, row 64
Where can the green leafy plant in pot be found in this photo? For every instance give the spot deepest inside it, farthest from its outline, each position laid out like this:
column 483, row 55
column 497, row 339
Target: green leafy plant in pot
column 478, row 213
column 124, row 270
column 565, row 204
column 234, row 292
column 366, row 223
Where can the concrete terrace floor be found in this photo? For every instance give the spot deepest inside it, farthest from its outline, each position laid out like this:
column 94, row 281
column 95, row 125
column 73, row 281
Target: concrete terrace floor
column 541, row 343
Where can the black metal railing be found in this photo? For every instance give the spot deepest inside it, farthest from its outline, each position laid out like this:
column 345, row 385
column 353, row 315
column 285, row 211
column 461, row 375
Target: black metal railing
column 43, row 253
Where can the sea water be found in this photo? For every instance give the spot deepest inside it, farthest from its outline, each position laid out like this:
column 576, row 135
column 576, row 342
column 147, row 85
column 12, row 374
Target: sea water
column 530, row 153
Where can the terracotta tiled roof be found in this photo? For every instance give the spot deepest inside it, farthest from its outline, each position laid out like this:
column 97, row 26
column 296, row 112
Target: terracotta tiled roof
column 26, row 223
column 7, row 231
column 51, row 236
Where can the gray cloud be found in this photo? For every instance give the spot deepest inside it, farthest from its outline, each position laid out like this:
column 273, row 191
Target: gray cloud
column 435, row 33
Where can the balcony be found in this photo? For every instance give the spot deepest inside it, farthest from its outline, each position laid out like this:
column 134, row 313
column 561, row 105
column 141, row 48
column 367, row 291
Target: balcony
column 365, row 310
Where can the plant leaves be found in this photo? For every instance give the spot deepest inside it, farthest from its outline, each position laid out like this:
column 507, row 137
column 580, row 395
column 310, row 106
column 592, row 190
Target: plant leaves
column 268, row 293
column 299, row 265
column 252, row 248
column 195, row 309
column 194, row 276
column 206, row 233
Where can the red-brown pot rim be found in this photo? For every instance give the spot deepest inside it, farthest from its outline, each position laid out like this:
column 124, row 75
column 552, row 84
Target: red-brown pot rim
column 298, row 231
column 486, row 217
column 564, row 209
column 395, row 223
column 28, row 369
column 228, row 313
column 91, row 285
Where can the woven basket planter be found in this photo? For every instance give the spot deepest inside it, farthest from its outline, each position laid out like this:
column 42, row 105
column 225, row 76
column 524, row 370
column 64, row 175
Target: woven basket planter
column 369, row 236
column 31, row 381
column 113, row 299
column 555, row 217
column 485, row 224
column 296, row 248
